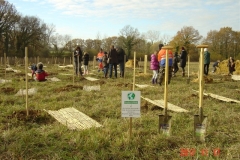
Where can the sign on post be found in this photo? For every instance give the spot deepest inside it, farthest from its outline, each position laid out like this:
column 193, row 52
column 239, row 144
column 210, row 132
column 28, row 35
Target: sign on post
column 131, row 101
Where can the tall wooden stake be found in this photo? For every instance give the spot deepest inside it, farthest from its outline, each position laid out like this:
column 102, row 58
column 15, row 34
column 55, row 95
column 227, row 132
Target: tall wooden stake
column 26, row 77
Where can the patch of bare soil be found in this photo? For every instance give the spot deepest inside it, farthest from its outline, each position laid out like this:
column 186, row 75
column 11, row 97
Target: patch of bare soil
column 8, row 90
column 68, row 88
column 53, row 74
column 35, row 116
column 122, row 84
column 20, row 74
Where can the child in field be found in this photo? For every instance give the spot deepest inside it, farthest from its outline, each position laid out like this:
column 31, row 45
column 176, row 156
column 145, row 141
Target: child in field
column 85, row 63
column 99, row 59
column 33, row 69
column 40, row 73
column 105, row 64
column 154, row 67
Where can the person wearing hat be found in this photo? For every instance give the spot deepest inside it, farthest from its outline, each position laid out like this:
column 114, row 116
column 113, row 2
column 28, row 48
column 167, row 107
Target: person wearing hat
column 206, row 61
column 105, row 64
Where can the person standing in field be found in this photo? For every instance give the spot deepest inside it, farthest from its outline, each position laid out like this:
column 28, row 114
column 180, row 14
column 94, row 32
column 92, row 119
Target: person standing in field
column 175, row 63
column 77, row 60
column 105, row 64
column 206, row 61
column 113, row 61
column 154, row 66
column 99, row 59
column 183, row 60
column 121, row 55
column 40, row 73
column 85, row 63
column 231, row 66
column 162, row 64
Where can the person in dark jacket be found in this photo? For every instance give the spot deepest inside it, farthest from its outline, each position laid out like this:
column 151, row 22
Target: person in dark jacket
column 176, row 59
column 231, row 66
column 113, row 61
column 206, row 61
column 121, row 55
column 85, row 63
column 33, row 69
column 215, row 65
column 77, row 60
column 183, row 60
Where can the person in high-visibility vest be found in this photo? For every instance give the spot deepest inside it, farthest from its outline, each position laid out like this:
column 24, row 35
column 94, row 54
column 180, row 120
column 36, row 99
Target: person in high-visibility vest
column 99, row 59
column 162, row 60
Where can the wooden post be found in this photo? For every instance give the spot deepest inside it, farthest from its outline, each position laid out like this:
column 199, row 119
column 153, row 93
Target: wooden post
column 145, row 64
column 124, row 68
column 134, row 69
column 94, row 63
column 73, row 67
column 26, row 77
column 166, row 83
column 5, row 65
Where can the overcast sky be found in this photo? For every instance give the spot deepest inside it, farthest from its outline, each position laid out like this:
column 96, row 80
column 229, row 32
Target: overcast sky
column 88, row 18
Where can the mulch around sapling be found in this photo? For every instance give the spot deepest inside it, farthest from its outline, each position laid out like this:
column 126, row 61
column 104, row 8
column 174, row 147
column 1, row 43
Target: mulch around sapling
column 68, row 88
column 34, row 116
column 8, row 90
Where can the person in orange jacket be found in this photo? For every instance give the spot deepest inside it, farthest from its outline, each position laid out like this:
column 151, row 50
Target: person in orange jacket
column 162, row 61
column 99, row 59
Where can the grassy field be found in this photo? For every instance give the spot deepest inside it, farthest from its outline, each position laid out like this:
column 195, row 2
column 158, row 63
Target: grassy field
column 40, row 136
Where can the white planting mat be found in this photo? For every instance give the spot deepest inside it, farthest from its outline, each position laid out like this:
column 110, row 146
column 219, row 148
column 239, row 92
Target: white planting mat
column 171, row 107
column 73, row 119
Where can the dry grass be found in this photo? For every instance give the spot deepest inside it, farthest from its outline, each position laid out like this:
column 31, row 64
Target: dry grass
column 39, row 136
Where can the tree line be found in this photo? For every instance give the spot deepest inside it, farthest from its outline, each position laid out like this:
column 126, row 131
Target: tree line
column 18, row 32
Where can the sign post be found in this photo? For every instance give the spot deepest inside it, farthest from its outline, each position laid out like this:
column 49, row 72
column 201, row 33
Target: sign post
column 131, row 106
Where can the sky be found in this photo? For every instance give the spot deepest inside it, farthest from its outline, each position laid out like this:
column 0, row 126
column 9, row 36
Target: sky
column 92, row 19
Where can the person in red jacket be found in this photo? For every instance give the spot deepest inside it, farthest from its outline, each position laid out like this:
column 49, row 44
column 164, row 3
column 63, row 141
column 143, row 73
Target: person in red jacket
column 40, row 73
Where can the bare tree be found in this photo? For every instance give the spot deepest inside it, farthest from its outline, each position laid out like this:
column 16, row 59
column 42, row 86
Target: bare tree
column 129, row 37
column 152, row 35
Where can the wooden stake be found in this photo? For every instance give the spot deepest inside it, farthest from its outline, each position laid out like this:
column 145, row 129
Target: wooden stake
column 145, row 64
column 73, row 67
column 26, row 78
column 5, row 65
column 134, row 69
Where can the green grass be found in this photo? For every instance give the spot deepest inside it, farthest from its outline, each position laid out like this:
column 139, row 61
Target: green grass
column 42, row 137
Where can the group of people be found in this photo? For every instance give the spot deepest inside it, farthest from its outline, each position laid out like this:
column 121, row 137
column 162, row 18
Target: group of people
column 106, row 61
column 158, row 62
